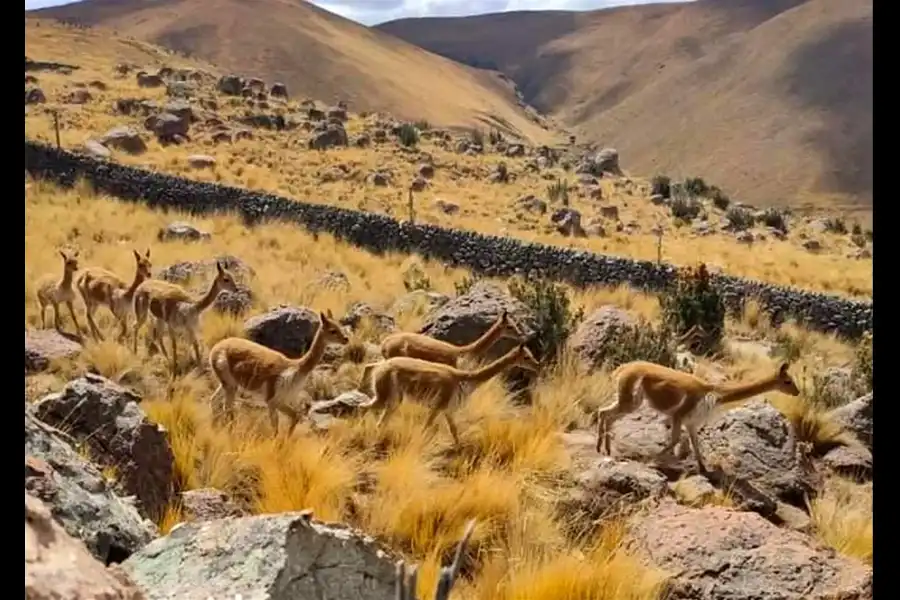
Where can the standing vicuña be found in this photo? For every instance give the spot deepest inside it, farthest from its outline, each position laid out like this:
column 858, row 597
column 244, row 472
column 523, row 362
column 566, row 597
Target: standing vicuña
column 52, row 291
column 239, row 364
column 98, row 286
column 392, row 378
column 687, row 400
column 172, row 307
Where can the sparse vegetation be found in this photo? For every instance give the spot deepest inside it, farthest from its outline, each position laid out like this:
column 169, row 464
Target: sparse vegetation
column 662, row 185
column 408, row 135
column 739, row 219
column 554, row 315
column 695, row 311
column 558, row 191
column 774, row 218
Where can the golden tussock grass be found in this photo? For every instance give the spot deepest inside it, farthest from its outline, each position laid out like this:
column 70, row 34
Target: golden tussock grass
column 843, row 518
column 279, row 162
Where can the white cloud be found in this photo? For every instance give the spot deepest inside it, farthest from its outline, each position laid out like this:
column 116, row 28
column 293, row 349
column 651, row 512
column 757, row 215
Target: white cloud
column 370, row 12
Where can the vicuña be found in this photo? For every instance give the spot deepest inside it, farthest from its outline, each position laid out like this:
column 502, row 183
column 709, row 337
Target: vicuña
column 687, row 400
column 395, row 377
column 240, row 364
column 173, row 308
column 52, row 291
column 98, row 286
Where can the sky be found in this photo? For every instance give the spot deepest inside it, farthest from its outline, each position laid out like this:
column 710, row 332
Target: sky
column 370, row 12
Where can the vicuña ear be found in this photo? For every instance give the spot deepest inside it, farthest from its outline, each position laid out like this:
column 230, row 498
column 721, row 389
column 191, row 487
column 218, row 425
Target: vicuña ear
column 137, row 255
column 328, row 313
column 63, row 254
column 75, row 254
column 147, row 254
column 784, row 368
column 219, row 267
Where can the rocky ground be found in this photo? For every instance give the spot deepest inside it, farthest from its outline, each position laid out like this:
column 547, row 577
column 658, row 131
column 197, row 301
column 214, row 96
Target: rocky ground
column 133, row 491
column 142, row 106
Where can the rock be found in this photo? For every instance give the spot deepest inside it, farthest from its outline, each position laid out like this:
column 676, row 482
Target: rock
column 812, row 245
column 341, row 406
column 419, row 300
column 230, row 85
column 607, row 485
column 288, row 329
column 107, row 418
column 591, row 337
column 208, row 504
column 201, row 161
column 360, row 310
column 236, row 303
column 332, row 137
column 184, row 272
column 715, row 552
column 379, row 178
column 426, row 171
column 181, row 231
column 532, row 204
column 125, row 139
column 466, row 318
column 79, row 497
column 756, row 444
column 515, row 150
column 568, row 222
column 448, row 208
column 78, row 96
column 59, row 566
column 418, row 184
column 35, row 95
column 610, row 211
column 278, row 90
column 694, row 490
column 147, row 80
column 96, row 149
column 853, row 461
column 336, row 113
column 856, row 417
column 43, row 346
column 277, row 557
column 168, row 127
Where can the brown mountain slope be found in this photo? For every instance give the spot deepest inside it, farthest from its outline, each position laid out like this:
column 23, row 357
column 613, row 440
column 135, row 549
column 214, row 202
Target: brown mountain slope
column 770, row 99
column 318, row 54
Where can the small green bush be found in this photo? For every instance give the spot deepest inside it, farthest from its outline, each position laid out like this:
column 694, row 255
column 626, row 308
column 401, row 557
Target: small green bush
column 555, row 319
column 476, row 136
column 662, row 185
column 719, row 198
column 739, row 219
column 624, row 343
column 408, row 135
column 694, row 310
column 465, row 284
column 685, row 208
column 414, row 278
column 836, row 225
column 558, row 191
column 857, row 229
column 495, row 136
column 774, row 218
column 863, row 363
column 695, row 186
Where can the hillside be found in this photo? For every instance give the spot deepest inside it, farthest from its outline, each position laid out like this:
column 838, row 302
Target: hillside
column 770, row 100
column 317, row 54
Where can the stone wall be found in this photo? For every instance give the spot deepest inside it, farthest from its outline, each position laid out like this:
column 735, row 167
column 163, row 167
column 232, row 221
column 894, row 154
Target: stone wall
column 485, row 254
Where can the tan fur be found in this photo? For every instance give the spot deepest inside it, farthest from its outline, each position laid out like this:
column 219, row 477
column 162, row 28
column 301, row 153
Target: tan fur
column 98, row 286
column 53, row 292
column 394, row 377
column 424, row 347
column 240, row 364
column 686, row 399
column 173, row 308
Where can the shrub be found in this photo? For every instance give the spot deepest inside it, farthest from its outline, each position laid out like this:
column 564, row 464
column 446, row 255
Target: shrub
column 857, row 229
column 476, row 136
column 835, row 225
column 408, row 135
column 719, row 198
column 694, row 310
column 774, row 218
column 695, row 186
column 662, row 185
column 495, row 136
column 863, row 363
column 415, row 278
column 465, row 284
column 554, row 318
column 624, row 343
column 739, row 219
column 559, row 191
column 685, row 208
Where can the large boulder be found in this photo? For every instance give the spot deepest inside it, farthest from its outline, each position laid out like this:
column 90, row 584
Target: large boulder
column 286, row 556
column 59, row 566
column 856, row 417
column 79, row 497
column 589, row 341
column 715, row 552
column 288, row 329
column 107, row 418
column 466, row 318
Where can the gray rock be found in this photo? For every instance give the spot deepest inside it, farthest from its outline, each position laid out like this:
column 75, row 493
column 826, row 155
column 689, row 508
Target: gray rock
column 125, row 139
column 856, row 417
column 853, row 461
column 715, row 552
column 230, row 85
column 419, row 300
column 359, row 311
column 43, row 346
column 592, row 335
column 106, row 417
column 201, row 161
column 183, row 232
column 96, row 149
column 79, row 497
column 288, row 329
column 276, row 557
column 208, row 504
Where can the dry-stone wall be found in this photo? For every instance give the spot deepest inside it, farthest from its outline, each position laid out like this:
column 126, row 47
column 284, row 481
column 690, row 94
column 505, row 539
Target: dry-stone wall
column 485, row 254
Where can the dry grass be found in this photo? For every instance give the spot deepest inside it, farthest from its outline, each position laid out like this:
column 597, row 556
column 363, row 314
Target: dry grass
column 843, row 518
column 755, row 97
column 279, row 162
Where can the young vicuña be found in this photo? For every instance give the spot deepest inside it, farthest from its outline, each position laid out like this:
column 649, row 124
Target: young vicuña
column 394, row 377
column 687, row 400
column 240, row 364
column 53, row 291
column 172, row 307
column 98, row 286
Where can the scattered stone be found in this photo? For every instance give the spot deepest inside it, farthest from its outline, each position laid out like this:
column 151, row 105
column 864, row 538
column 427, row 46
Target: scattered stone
column 853, row 461
column 96, row 149
column 856, row 417
column 230, row 85
column 279, row 90
column 360, row 311
column 43, row 346
column 78, row 96
column 201, row 161
column 591, row 337
column 125, row 139
column 182, row 232
column 288, row 329
column 208, row 504
column 448, row 208
column 147, row 80
column 34, row 95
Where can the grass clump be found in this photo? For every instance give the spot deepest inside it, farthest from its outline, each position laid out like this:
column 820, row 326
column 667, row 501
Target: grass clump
column 408, row 135
column 694, row 310
column 555, row 318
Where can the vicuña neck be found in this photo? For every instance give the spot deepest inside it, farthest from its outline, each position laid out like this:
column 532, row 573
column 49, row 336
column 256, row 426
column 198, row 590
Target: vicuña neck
column 735, row 392
column 138, row 280
column 66, row 278
column 486, row 372
column 481, row 344
column 312, row 357
column 208, row 298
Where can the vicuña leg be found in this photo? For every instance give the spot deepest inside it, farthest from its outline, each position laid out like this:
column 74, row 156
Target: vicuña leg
column 89, row 309
column 71, row 308
column 674, row 438
column 606, row 417
column 695, row 445
column 57, row 322
column 384, row 398
column 454, row 431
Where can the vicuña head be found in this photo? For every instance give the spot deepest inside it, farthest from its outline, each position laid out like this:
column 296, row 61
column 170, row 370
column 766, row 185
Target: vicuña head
column 786, row 383
column 70, row 262
column 143, row 267
column 331, row 329
column 521, row 357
